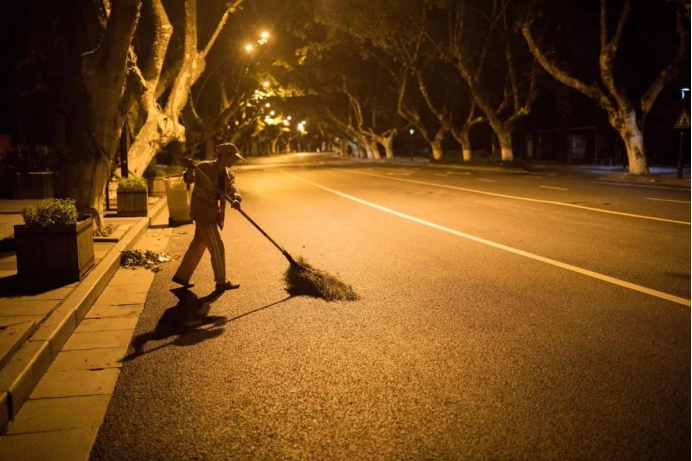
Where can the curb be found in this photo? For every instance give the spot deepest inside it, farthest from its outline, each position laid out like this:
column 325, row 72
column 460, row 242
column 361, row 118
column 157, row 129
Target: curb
column 28, row 365
column 495, row 169
column 671, row 183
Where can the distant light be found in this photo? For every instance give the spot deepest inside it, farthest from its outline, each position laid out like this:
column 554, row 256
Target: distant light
column 271, row 113
column 249, row 47
column 288, row 118
column 265, row 35
column 267, row 105
column 683, row 90
column 303, row 122
column 265, row 84
column 411, row 131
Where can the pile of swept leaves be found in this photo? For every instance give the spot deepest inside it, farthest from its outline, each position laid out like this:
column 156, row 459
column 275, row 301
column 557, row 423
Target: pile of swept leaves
column 147, row 259
column 105, row 231
column 304, row 280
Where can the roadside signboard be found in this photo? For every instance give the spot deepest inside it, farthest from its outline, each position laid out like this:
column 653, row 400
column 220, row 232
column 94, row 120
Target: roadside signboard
column 683, row 121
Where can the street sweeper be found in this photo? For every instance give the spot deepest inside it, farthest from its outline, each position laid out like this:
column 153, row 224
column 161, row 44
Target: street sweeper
column 214, row 183
column 207, row 211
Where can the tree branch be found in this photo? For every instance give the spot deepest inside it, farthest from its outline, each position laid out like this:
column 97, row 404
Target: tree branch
column 671, row 71
column 231, row 9
column 558, row 74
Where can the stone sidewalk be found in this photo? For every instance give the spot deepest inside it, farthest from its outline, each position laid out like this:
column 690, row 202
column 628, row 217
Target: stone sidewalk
column 61, row 419
column 34, row 327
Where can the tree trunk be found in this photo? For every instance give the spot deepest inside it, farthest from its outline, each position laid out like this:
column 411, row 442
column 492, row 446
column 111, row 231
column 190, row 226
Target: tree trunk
column 465, row 143
column 85, row 182
column 388, row 144
column 157, row 132
column 633, row 138
column 209, row 149
column 436, row 144
column 504, row 136
column 374, row 148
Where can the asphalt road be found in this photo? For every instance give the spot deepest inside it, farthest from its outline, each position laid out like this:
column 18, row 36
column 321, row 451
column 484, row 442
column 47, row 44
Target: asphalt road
column 490, row 326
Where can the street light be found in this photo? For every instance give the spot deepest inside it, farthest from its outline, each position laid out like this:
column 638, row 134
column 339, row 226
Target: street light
column 272, row 113
column 249, row 47
column 267, row 105
column 265, row 84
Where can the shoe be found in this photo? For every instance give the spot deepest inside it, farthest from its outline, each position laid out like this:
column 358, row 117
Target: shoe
column 223, row 286
column 184, row 283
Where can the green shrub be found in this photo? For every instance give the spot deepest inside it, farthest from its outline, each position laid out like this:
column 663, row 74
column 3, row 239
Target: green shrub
column 132, row 183
column 51, row 214
column 26, row 158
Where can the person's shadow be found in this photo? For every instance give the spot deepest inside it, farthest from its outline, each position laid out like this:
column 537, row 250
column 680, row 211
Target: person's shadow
column 188, row 321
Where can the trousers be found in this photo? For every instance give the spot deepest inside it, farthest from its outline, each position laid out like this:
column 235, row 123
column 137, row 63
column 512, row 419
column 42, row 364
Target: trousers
column 207, row 237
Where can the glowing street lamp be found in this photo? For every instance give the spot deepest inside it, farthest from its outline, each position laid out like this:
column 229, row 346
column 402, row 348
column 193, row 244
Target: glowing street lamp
column 264, row 35
column 288, row 118
column 249, row 47
column 271, row 113
column 267, row 105
column 265, row 84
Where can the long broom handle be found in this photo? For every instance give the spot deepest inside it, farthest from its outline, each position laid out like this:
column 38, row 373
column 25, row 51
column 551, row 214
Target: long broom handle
column 228, row 199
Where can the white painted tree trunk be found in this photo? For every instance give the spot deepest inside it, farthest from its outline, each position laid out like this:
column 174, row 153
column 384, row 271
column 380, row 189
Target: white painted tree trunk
column 437, row 151
column 504, row 137
column 632, row 136
column 465, row 145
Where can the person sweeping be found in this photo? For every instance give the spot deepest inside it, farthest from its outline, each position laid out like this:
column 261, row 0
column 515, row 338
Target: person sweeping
column 207, row 210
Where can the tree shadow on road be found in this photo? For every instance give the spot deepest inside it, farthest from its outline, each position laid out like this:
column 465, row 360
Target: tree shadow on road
column 188, row 322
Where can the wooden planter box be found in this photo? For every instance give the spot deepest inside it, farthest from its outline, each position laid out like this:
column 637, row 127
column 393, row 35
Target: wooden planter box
column 33, row 185
column 55, row 255
column 132, row 203
column 156, row 187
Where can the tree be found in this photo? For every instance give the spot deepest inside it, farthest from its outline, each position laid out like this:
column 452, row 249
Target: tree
column 103, row 93
column 625, row 113
column 161, row 105
column 520, row 75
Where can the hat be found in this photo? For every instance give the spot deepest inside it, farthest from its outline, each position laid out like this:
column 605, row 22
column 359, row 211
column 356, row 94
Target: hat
column 231, row 149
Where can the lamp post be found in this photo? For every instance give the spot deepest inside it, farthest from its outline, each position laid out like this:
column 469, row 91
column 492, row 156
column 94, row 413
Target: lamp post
column 410, row 143
column 682, row 134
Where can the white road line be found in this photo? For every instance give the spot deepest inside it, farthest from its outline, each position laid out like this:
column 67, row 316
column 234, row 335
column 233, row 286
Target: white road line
column 666, row 200
column 486, row 180
column 607, row 183
column 515, row 197
column 551, row 187
column 552, row 262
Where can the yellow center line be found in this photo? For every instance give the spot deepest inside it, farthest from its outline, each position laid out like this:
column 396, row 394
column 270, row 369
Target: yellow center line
column 543, row 259
column 526, row 199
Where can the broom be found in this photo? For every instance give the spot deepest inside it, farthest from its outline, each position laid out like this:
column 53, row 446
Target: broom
column 301, row 278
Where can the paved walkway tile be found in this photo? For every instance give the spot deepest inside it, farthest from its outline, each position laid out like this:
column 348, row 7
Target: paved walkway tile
column 60, row 414
column 124, row 296
column 98, row 339
column 14, row 320
column 89, row 359
column 69, row 445
column 10, row 307
column 102, row 312
column 76, row 382
column 56, row 294
column 107, row 324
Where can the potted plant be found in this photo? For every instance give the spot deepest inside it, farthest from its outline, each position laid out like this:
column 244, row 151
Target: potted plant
column 54, row 244
column 132, row 196
column 31, row 169
column 155, row 182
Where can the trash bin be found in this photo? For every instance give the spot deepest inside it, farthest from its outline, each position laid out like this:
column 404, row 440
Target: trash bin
column 178, row 194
